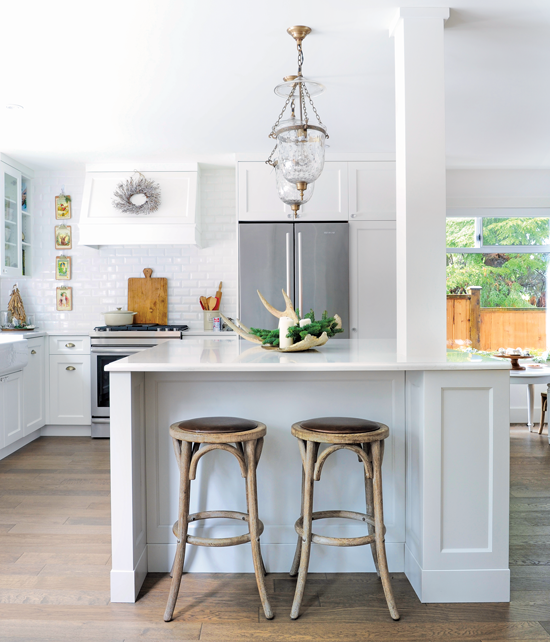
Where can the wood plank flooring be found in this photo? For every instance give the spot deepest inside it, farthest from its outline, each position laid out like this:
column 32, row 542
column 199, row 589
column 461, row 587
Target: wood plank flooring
column 55, row 559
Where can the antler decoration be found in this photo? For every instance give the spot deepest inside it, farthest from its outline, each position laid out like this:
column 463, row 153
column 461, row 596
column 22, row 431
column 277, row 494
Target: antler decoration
column 288, row 311
column 309, row 342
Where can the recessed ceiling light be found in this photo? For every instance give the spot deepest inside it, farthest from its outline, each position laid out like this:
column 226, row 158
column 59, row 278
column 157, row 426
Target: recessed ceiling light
column 14, row 107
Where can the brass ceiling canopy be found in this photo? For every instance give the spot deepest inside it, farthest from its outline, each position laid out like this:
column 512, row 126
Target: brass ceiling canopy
column 299, row 33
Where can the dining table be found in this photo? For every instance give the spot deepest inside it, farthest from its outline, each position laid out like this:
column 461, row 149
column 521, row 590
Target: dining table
column 531, row 377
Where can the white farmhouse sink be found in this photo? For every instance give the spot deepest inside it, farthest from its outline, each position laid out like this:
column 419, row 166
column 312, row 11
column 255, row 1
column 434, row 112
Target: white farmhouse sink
column 14, row 354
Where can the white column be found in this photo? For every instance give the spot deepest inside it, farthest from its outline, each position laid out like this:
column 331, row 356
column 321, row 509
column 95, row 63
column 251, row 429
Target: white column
column 421, row 206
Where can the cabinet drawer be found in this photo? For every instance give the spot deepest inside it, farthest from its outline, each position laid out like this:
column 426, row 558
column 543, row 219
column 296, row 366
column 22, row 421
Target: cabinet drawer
column 68, row 344
column 70, row 398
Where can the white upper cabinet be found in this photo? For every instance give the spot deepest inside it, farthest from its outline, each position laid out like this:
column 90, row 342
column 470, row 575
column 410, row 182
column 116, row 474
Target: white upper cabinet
column 258, row 199
column 372, row 191
column 15, row 225
column 176, row 221
column 344, row 191
column 330, row 197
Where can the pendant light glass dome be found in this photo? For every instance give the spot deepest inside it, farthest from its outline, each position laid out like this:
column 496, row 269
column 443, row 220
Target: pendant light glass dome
column 288, row 192
column 300, row 151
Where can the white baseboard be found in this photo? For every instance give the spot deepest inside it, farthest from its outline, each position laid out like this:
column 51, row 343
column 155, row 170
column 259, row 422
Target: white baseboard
column 125, row 585
column 8, row 450
column 277, row 559
column 66, row 431
column 463, row 586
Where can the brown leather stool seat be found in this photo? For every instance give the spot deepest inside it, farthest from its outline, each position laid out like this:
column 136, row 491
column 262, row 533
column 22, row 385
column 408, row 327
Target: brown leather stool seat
column 216, row 425
column 340, row 425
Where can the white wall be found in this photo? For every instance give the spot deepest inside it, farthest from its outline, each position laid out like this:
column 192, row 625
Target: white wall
column 100, row 277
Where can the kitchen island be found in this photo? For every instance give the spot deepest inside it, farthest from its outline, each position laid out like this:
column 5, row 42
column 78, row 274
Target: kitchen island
column 445, row 472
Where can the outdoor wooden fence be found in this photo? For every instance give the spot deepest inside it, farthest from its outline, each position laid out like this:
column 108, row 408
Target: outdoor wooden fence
column 493, row 328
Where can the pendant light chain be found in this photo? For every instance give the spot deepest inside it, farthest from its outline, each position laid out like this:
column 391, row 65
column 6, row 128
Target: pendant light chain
column 313, row 107
column 274, row 128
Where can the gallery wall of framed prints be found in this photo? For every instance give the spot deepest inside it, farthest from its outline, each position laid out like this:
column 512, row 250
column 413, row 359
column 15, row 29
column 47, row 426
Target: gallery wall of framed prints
column 63, row 263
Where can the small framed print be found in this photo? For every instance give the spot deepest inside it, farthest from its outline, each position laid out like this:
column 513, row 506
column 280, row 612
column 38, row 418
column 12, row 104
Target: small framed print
column 62, row 206
column 63, row 268
column 63, row 237
column 64, row 299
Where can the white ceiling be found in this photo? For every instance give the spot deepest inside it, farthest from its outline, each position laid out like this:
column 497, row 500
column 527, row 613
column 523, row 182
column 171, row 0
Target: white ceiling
column 178, row 80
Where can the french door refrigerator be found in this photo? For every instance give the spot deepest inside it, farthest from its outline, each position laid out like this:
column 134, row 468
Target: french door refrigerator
column 310, row 261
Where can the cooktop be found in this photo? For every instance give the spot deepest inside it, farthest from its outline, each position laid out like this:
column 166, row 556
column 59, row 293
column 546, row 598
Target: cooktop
column 141, row 327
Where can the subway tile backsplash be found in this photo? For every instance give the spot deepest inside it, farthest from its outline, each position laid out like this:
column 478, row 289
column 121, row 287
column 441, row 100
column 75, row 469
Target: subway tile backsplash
column 100, row 277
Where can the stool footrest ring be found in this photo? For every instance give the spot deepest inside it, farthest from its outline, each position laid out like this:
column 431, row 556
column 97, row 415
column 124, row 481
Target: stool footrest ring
column 218, row 541
column 338, row 541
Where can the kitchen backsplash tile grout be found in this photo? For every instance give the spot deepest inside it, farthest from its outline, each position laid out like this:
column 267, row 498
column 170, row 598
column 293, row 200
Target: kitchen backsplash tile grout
column 100, row 277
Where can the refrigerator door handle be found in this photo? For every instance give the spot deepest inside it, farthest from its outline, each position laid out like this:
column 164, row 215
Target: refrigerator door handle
column 300, row 293
column 288, row 263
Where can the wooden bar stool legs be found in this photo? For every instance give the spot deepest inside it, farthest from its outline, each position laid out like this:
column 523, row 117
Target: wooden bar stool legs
column 304, row 539
column 192, row 440
column 183, row 456
column 369, row 448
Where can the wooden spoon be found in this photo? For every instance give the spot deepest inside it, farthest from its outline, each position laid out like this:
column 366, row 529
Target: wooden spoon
column 212, row 302
column 204, row 302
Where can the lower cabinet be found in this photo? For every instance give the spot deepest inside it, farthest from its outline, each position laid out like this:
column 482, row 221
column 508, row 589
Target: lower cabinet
column 34, row 386
column 70, row 402
column 11, row 408
column 373, row 285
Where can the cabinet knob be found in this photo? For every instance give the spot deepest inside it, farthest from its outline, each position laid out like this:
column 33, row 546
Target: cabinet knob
column 289, row 215
column 69, row 345
column 354, row 329
column 33, row 351
column 354, row 216
column 70, row 368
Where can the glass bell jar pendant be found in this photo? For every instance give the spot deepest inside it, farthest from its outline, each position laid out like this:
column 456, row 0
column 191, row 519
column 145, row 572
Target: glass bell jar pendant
column 300, row 150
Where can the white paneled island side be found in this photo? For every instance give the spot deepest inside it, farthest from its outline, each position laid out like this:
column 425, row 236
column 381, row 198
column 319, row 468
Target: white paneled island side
column 445, row 471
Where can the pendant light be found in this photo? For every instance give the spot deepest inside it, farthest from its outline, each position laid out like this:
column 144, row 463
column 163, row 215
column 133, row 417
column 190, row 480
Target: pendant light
column 300, row 150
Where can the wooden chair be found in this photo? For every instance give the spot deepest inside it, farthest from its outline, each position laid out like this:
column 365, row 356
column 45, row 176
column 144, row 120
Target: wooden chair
column 192, row 439
column 543, row 409
column 366, row 439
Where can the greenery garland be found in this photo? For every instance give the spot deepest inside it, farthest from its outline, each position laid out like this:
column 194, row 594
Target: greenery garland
column 315, row 328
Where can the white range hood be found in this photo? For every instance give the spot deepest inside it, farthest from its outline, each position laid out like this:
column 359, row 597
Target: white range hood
column 176, row 222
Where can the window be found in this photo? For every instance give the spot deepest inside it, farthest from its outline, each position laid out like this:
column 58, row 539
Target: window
column 509, row 258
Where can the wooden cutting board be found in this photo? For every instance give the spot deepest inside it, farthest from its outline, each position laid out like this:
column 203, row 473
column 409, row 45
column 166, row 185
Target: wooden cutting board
column 149, row 298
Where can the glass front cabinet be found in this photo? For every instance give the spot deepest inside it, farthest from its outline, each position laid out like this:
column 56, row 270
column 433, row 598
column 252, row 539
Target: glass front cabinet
column 15, row 229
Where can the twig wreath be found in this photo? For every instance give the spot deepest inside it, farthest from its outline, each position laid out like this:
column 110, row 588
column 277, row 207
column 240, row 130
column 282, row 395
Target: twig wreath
column 132, row 187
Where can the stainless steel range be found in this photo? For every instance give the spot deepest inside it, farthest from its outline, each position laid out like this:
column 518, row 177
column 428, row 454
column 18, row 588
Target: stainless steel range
column 110, row 343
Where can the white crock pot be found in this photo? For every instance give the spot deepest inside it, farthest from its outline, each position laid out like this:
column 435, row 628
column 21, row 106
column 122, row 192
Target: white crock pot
column 119, row 317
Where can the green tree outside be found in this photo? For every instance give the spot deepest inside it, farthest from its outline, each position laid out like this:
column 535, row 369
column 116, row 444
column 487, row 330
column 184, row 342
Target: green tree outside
column 507, row 279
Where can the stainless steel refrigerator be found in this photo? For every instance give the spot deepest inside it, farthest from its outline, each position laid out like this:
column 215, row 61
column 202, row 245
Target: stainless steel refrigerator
column 310, row 261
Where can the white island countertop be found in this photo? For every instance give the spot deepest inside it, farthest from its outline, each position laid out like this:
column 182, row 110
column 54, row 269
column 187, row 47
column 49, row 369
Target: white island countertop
column 207, row 355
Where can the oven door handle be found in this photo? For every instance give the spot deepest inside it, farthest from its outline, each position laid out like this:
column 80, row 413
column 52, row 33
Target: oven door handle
column 108, row 351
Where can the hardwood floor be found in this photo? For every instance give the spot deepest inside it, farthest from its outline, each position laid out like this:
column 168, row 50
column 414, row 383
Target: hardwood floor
column 55, row 562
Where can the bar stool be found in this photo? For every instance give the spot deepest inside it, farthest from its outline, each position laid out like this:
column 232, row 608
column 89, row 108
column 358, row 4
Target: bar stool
column 366, row 439
column 192, row 439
